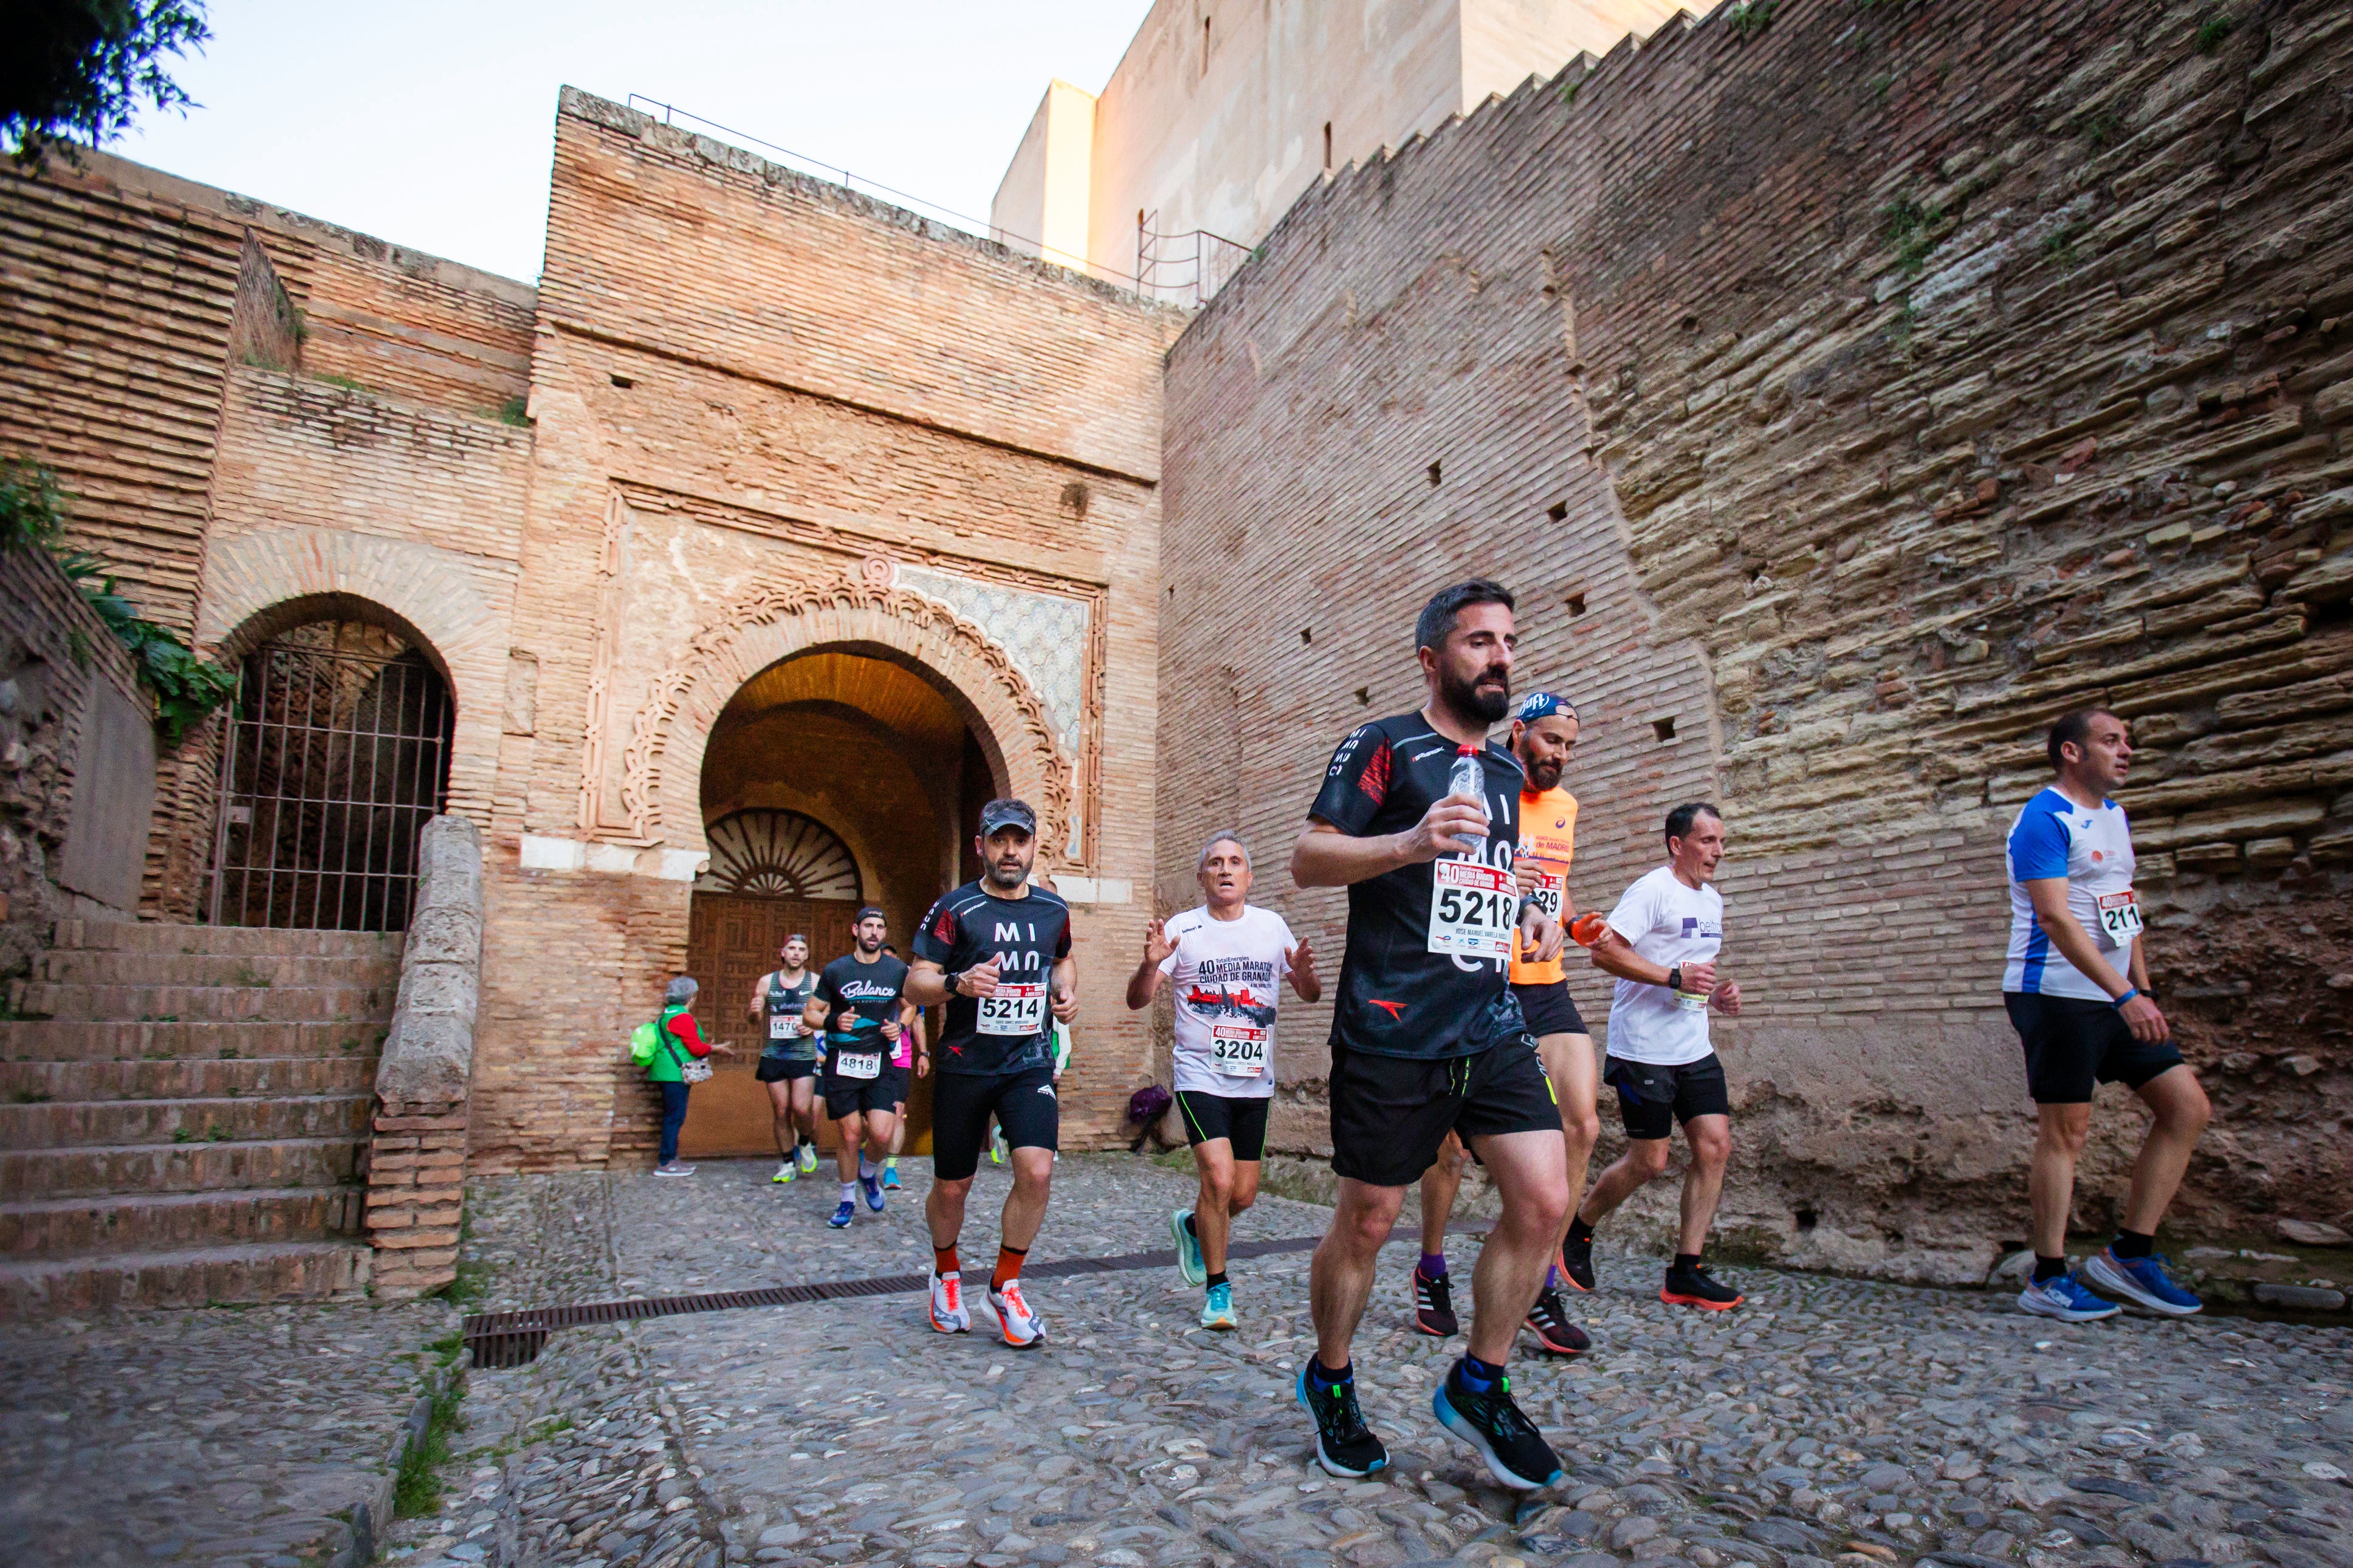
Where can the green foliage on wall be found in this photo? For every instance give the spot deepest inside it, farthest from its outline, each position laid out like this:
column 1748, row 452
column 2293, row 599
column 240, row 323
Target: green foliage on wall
column 186, row 689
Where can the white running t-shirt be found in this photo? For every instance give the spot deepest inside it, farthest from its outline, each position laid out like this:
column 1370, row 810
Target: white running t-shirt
column 2093, row 849
column 1226, row 973
column 1668, row 923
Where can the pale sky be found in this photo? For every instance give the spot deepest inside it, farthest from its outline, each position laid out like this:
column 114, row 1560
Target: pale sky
column 429, row 123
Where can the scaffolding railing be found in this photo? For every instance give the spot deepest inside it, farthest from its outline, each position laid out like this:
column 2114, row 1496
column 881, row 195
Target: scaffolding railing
column 1187, row 268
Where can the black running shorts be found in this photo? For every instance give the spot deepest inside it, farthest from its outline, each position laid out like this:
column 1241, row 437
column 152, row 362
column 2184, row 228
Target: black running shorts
column 1550, row 1009
column 773, row 1068
column 2072, row 1042
column 1239, row 1120
column 1390, row 1114
column 1023, row 1103
column 1653, row 1098
column 883, row 1091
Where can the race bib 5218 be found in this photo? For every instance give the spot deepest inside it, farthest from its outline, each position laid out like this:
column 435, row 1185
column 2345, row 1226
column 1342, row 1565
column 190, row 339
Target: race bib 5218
column 1237, row 1051
column 1015, row 1010
column 1472, row 908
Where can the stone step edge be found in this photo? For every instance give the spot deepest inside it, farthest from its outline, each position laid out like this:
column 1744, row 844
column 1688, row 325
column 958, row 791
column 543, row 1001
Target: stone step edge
column 29, row 1206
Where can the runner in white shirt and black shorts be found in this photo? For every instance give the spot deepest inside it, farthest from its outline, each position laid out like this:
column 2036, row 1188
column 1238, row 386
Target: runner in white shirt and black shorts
column 1226, row 958
column 1661, row 943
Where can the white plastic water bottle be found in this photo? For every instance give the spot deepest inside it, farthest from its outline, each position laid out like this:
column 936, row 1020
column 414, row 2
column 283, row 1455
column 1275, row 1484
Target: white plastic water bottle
column 1470, row 778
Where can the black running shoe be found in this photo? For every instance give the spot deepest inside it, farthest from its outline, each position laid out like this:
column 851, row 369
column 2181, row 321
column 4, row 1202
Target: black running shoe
column 1345, row 1446
column 1553, row 1330
column 1697, row 1288
column 1577, row 1263
column 1516, row 1454
column 1433, row 1304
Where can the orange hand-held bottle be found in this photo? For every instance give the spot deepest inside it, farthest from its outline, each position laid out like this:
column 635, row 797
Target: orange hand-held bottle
column 1585, row 929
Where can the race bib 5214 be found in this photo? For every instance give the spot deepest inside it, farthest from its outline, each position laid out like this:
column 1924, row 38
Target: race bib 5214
column 1015, row 1010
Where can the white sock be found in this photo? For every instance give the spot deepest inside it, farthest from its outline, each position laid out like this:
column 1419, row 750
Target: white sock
column 850, row 1192
column 866, row 1167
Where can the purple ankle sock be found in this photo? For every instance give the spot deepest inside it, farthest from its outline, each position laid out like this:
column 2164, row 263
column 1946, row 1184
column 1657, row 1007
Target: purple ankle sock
column 1433, row 1266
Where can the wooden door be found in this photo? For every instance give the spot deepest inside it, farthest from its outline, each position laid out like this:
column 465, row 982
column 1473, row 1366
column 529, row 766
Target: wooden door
column 732, row 941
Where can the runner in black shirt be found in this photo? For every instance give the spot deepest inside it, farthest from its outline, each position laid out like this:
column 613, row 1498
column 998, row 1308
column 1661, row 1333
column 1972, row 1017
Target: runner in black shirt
column 997, row 953
column 861, row 1003
column 1427, row 1037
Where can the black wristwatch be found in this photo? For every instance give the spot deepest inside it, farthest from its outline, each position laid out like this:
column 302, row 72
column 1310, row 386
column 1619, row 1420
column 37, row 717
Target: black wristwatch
column 953, row 978
column 1675, row 978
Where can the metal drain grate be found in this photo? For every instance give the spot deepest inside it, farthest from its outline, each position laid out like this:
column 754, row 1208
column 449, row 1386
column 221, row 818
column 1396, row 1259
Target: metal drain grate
column 515, row 1338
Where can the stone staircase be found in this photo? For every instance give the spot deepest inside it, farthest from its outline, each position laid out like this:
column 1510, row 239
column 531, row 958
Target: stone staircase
column 183, row 1115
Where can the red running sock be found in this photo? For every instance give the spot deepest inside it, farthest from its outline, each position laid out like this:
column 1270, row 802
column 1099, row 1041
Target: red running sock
column 1009, row 1266
column 944, row 1259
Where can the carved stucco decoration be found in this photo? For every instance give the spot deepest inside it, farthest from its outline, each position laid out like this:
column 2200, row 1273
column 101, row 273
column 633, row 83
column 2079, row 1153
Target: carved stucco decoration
column 791, row 613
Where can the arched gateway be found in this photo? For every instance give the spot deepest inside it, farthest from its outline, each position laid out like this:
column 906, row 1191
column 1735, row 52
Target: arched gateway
column 662, row 765
column 849, row 715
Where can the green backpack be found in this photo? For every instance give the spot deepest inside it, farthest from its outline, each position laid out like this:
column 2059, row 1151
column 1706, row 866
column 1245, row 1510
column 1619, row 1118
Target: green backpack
column 645, row 1040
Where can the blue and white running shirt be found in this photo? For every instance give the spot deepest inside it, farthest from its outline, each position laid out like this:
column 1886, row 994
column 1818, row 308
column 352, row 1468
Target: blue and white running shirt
column 2093, row 849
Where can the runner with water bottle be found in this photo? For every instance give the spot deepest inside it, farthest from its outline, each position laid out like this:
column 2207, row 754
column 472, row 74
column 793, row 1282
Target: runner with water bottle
column 1543, row 732
column 1418, row 818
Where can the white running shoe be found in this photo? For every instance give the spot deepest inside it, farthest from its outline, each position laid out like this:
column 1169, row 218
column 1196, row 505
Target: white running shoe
column 1020, row 1325
column 786, row 1172
column 949, row 1314
column 809, row 1158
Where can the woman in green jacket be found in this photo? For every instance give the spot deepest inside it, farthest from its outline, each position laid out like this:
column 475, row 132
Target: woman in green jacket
column 680, row 1041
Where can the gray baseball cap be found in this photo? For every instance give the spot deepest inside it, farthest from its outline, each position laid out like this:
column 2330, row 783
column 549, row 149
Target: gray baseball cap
column 999, row 814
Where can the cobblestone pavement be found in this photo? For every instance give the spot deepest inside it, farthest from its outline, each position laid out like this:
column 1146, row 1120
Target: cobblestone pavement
column 1828, row 1419
column 225, row 1436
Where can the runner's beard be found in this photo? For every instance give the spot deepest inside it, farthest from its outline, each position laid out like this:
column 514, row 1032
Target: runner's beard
column 1004, row 875
column 1544, row 775
column 1486, row 704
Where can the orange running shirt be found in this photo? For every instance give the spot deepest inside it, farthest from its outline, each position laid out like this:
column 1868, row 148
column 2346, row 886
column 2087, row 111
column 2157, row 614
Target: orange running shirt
column 1549, row 836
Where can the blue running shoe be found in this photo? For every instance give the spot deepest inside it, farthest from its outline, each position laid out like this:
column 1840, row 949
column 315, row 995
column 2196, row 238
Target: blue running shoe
column 843, row 1215
column 2143, row 1281
column 891, row 1175
column 2065, row 1300
column 872, row 1187
column 1189, row 1263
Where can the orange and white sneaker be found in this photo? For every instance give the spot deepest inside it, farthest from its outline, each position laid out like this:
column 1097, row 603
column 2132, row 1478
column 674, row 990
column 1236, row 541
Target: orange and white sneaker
column 949, row 1314
column 1019, row 1324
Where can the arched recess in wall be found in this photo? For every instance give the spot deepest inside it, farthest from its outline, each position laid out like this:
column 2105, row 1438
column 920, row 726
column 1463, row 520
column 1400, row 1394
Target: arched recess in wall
column 328, row 763
column 662, row 765
column 272, row 578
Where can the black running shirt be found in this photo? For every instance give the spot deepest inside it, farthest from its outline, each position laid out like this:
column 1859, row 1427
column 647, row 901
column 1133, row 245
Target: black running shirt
column 1013, row 1030
column 1397, row 997
column 872, row 991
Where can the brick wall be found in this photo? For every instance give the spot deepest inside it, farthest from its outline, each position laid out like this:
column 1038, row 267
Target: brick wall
column 747, row 385
column 2010, row 374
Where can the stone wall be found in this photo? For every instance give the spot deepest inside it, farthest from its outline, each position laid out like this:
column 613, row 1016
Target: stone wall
column 77, row 758
column 1834, row 453
column 416, row 1155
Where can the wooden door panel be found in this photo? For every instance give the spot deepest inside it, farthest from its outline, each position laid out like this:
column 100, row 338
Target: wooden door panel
column 732, row 941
